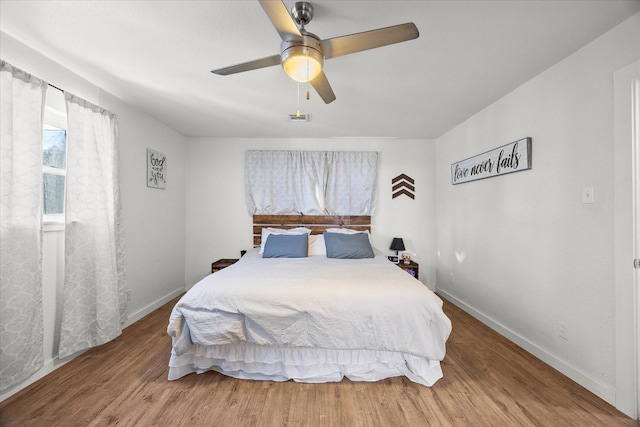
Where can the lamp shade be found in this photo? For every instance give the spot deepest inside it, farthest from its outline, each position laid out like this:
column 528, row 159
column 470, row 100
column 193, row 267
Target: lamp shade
column 397, row 244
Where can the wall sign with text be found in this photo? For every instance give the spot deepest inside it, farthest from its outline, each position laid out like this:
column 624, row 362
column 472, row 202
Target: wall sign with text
column 513, row 157
column 156, row 169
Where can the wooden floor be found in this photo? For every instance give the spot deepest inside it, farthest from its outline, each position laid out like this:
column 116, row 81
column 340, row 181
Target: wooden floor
column 488, row 381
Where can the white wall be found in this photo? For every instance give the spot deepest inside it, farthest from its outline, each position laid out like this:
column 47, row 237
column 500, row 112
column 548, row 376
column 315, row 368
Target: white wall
column 521, row 251
column 153, row 219
column 219, row 226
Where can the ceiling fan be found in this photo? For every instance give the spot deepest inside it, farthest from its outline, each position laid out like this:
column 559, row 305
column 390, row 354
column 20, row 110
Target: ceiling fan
column 302, row 53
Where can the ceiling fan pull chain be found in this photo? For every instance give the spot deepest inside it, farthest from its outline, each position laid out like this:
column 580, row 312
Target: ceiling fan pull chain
column 298, row 100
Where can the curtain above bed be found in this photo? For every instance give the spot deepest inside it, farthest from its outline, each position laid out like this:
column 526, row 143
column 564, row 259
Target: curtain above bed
column 311, row 182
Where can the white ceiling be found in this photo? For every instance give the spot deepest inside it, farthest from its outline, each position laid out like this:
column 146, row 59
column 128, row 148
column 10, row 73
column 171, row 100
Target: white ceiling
column 157, row 56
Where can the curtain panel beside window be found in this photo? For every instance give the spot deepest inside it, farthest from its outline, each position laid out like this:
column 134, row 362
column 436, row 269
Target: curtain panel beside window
column 311, row 182
column 21, row 317
column 95, row 289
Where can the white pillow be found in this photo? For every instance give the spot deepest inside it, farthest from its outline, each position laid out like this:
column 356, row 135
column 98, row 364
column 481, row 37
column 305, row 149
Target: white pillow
column 316, row 245
column 268, row 230
column 344, row 230
column 348, row 231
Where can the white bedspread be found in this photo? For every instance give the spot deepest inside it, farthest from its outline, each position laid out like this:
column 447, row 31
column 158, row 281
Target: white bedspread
column 310, row 319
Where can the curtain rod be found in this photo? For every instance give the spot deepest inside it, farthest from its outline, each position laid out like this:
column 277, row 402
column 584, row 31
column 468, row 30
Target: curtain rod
column 55, row 87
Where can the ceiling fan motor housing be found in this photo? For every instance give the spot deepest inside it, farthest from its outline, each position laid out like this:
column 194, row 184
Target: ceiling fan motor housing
column 302, row 13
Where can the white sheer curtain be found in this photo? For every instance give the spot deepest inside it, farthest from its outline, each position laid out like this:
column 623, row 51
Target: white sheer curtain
column 311, row 182
column 21, row 331
column 284, row 182
column 351, row 185
column 95, row 291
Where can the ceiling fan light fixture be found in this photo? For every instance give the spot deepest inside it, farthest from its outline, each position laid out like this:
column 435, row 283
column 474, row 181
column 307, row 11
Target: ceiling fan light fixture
column 302, row 63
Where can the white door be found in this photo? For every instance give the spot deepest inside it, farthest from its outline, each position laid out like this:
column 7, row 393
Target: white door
column 627, row 236
column 636, row 224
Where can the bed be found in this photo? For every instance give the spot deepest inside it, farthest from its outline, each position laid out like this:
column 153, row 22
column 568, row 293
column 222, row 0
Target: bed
column 310, row 318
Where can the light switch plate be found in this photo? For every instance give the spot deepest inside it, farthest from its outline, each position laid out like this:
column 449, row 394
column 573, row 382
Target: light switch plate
column 587, row 195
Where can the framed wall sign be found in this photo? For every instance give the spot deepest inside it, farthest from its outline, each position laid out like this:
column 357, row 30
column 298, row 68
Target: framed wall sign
column 513, row 157
column 156, row 169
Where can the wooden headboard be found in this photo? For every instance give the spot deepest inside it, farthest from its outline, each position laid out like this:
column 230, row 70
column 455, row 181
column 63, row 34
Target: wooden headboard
column 317, row 223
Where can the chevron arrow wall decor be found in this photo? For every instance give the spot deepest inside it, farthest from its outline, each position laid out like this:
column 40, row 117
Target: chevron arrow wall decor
column 403, row 184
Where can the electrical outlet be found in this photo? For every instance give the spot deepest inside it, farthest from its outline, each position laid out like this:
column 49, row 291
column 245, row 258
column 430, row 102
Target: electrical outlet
column 562, row 330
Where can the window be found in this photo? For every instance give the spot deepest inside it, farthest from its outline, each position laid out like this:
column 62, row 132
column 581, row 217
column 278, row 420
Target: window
column 54, row 158
column 54, row 170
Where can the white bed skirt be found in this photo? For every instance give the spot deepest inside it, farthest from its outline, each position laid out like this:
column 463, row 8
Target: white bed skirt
column 310, row 365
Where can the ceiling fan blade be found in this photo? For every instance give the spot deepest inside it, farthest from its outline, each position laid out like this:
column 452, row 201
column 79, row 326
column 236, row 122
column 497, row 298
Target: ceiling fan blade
column 248, row 66
column 281, row 19
column 345, row 45
column 322, row 86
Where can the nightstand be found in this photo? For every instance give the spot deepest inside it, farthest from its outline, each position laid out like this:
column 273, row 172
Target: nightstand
column 411, row 268
column 222, row 263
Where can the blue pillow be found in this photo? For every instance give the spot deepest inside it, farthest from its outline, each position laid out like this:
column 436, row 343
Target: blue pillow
column 286, row 246
column 353, row 246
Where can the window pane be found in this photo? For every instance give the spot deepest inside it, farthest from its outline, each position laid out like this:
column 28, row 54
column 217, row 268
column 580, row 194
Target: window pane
column 52, row 194
column 54, row 148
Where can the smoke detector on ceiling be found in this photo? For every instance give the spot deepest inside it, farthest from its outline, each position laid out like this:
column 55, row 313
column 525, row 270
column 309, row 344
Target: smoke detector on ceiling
column 299, row 118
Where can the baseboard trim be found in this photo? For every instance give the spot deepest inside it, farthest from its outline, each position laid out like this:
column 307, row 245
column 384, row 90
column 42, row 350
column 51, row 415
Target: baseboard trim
column 604, row 392
column 53, row 364
column 134, row 317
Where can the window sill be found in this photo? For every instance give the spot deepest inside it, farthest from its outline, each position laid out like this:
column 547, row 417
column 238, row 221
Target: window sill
column 53, row 226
